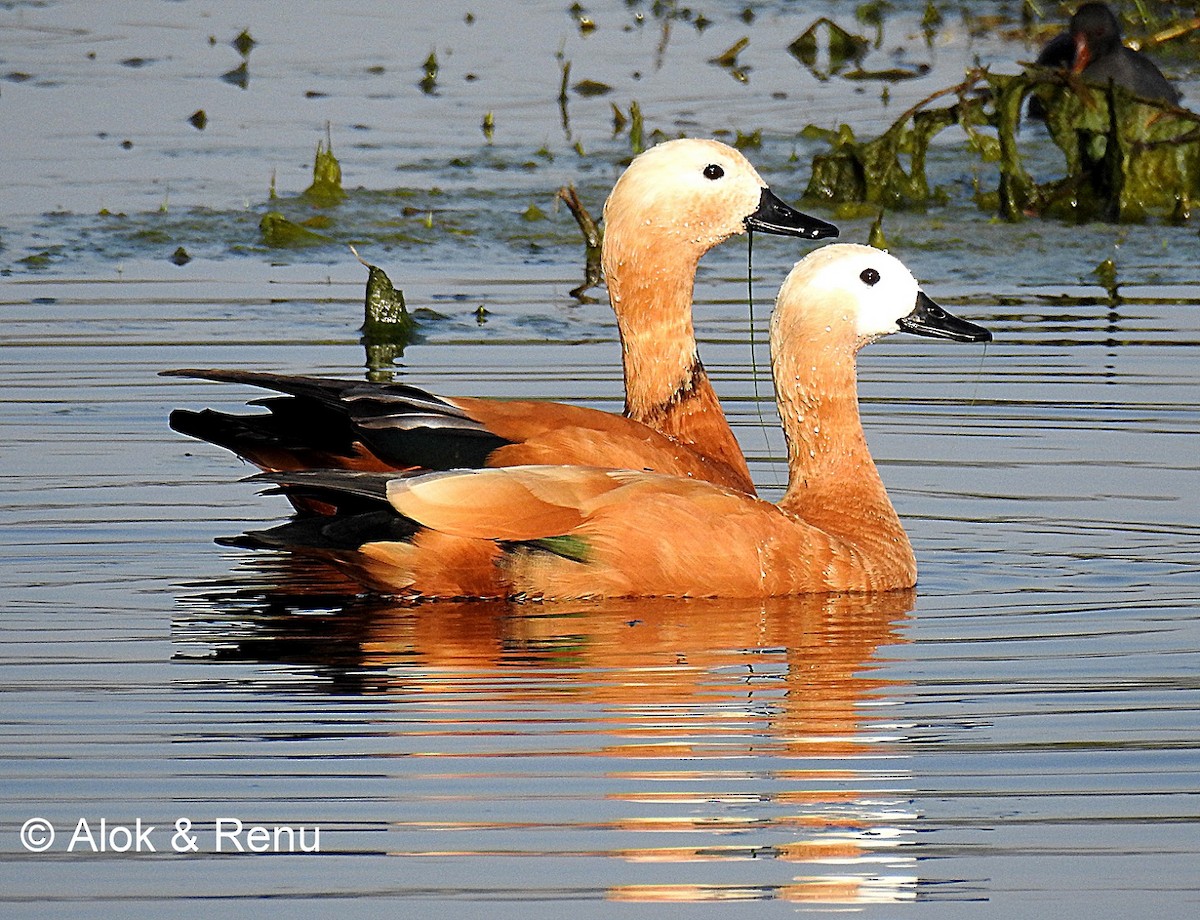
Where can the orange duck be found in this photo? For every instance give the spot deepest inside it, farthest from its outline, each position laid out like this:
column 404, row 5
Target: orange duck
column 675, row 202
column 562, row 532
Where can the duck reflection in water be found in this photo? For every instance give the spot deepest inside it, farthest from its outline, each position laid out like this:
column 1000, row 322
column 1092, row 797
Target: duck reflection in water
column 742, row 728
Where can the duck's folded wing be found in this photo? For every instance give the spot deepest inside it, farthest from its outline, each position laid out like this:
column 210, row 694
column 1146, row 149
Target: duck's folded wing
column 344, row 424
column 333, row 423
column 509, row 504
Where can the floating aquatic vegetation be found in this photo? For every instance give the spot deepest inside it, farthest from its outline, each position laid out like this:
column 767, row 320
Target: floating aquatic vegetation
column 565, row 67
column 872, row 13
column 1106, row 274
column 280, row 233
column 564, row 114
column 388, row 328
column 385, row 312
column 326, row 189
column 888, row 74
column 931, row 21
column 488, row 126
column 1126, row 158
column 586, row 24
column 750, row 141
column 825, row 48
column 198, row 119
column 637, row 141
column 239, row 76
column 244, row 43
column 587, row 88
column 41, row 259
column 875, row 237
column 728, row 60
column 180, row 256
column 619, row 120
column 428, row 83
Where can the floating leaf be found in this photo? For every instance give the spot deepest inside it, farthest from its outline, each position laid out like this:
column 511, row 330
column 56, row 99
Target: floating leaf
column 888, row 74
column 37, row 259
column 751, row 141
column 180, row 256
column 244, row 43
column 280, row 233
column 591, row 88
column 198, row 119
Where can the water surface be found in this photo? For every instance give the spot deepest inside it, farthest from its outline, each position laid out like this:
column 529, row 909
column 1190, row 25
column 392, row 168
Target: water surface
column 1018, row 737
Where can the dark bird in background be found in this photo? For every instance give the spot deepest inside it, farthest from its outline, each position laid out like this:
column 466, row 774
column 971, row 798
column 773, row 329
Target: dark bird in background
column 1092, row 48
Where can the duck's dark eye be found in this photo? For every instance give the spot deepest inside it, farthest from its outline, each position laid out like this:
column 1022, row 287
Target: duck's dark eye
column 713, row 171
column 869, row 276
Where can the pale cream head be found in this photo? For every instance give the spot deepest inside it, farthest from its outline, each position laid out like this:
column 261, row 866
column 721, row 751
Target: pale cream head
column 691, row 191
column 848, row 287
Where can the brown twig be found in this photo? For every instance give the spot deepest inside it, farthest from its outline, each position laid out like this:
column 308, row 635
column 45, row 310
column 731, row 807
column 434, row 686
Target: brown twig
column 592, row 238
column 591, row 230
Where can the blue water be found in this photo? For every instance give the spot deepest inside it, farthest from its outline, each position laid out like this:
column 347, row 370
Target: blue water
column 1018, row 738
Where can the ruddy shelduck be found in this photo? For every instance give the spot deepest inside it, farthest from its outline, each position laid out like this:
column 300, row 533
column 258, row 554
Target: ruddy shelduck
column 675, row 202
column 565, row 532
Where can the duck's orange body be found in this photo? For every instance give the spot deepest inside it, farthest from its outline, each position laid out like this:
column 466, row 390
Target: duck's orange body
column 569, row 531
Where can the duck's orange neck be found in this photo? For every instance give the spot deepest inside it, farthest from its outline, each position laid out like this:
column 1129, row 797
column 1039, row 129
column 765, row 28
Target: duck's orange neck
column 832, row 481
column 666, row 386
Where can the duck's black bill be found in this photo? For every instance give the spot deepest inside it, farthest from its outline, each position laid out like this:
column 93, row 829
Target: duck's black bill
column 930, row 320
column 774, row 215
